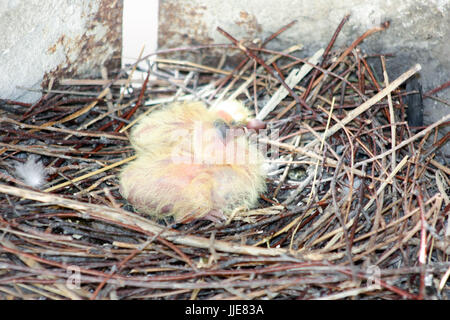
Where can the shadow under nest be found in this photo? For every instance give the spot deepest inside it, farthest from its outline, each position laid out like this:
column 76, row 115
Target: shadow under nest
column 356, row 206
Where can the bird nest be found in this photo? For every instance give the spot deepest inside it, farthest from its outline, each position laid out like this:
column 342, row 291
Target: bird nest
column 356, row 206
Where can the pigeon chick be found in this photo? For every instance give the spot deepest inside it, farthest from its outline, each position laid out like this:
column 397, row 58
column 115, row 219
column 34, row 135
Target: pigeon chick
column 194, row 163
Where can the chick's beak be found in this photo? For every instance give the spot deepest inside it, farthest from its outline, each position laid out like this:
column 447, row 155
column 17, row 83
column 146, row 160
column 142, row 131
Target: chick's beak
column 255, row 124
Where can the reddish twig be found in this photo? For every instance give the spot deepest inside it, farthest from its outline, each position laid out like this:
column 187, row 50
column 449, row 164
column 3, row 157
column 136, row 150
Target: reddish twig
column 325, row 55
column 272, row 72
column 437, row 89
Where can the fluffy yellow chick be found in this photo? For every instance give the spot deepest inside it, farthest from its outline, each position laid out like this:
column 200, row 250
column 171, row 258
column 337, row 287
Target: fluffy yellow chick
column 194, row 162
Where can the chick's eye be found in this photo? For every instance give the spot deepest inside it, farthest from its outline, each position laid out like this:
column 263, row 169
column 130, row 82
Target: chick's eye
column 222, row 127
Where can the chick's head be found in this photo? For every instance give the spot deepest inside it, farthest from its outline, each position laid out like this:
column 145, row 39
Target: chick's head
column 234, row 113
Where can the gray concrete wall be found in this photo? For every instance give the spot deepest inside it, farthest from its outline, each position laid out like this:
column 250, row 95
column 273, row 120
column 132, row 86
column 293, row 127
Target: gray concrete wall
column 44, row 38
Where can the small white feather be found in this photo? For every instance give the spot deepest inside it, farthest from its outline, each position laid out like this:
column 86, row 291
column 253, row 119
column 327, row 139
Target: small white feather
column 32, row 172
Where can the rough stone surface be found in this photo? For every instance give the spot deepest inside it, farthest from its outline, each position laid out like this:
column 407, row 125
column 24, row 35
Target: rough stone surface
column 40, row 39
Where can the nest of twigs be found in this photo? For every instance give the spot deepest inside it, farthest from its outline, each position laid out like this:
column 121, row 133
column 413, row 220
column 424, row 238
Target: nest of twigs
column 356, row 207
